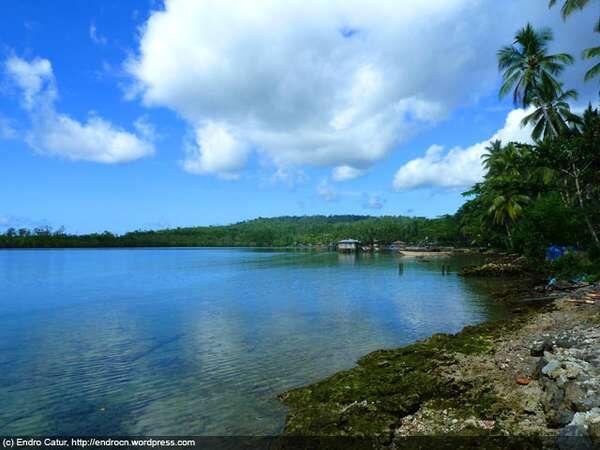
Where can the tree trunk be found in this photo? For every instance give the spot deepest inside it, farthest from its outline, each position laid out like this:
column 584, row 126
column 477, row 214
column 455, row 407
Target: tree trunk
column 549, row 122
column 510, row 243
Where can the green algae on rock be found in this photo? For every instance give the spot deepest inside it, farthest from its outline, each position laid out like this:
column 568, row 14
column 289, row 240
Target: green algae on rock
column 387, row 385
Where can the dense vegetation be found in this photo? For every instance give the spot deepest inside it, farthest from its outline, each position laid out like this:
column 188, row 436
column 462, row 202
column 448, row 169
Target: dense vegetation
column 549, row 192
column 532, row 196
column 279, row 231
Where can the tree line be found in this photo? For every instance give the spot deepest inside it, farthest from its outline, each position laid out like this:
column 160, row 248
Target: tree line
column 261, row 232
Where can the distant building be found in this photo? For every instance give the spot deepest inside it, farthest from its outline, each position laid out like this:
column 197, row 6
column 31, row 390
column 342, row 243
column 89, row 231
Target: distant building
column 397, row 245
column 348, row 245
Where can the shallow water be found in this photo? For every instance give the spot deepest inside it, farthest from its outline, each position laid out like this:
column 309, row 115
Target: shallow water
column 200, row 341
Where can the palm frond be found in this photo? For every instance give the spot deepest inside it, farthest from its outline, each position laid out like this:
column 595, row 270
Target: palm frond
column 593, row 72
column 592, row 52
column 569, row 6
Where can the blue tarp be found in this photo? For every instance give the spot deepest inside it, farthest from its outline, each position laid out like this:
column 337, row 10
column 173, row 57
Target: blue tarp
column 554, row 252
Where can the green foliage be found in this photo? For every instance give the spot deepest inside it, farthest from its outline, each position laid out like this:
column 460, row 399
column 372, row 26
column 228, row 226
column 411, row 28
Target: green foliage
column 576, row 264
column 261, row 232
column 569, row 6
column 537, row 195
column 526, row 65
column 552, row 113
column 547, row 221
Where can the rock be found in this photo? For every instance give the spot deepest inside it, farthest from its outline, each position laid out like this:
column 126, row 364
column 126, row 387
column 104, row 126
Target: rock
column 539, row 347
column 572, row 370
column 523, row 381
column 586, row 404
column 573, row 437
column 574, row 397
column 594, row 432
column 471, row 423
column 563, row 285
column 531, row 404
column 552, row 369
column 558, row 413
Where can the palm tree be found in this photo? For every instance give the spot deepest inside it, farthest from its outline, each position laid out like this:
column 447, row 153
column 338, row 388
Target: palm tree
column 502, row 162
column 552, row 112
column 490, row 158
column 526, row 64
column 593, row 52
column 569, row 6
column 506, row 209
column 567, row 9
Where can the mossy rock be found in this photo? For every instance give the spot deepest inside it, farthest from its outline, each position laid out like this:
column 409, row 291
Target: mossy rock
column 372, row 398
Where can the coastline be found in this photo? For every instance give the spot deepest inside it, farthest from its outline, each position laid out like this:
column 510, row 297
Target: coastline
column 536, row 374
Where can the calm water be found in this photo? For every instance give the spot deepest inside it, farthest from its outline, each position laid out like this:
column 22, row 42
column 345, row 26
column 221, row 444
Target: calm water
column 200, row 341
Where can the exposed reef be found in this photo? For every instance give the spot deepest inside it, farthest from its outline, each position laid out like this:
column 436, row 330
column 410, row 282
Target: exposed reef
column 535, row 375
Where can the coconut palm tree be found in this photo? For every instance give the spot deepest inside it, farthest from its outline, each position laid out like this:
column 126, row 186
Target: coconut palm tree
column 506, row 209
column 526, row 64
column 593, row 52
column 567, row 9
column 569, row 6
column 490, row 157
column 502, row 162
column 552, row 113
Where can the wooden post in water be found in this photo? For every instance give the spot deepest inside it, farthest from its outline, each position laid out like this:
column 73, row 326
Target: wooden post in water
column 400, row 268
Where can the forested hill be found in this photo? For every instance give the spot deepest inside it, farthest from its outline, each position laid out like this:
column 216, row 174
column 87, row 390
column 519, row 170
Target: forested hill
column 261, row 232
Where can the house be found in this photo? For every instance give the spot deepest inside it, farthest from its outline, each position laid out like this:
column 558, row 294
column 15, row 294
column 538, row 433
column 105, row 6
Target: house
column 348, row 245
column 397, row 245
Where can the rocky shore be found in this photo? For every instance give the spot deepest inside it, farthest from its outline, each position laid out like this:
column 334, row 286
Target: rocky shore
column 534, row 375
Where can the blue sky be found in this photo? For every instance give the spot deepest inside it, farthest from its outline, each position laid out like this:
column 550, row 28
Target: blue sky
column 142, row 114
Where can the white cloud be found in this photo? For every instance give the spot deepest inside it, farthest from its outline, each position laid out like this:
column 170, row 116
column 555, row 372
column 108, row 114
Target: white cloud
column 57, row 134
column 288, row 176
column 216, row 150
column 35, row 79
column 7, row 131
column 286, row 80
column 95, row 37
column 329, row 83
column 145, row 129
column 373, row 201
column 343, row 173
column 326, row 191
column 459, row 167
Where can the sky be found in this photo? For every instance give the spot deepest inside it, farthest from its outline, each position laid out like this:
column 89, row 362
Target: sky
column 151, row 114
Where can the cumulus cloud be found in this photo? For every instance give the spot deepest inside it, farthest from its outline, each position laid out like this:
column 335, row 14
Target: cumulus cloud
column 216, row 150
column 373, row 201
column 35, row 78
column 335, row 83
column 290, row 80
column 343, row 173
column 458, row 167
column 57, row 134
column 326, row 191
column 289, row 176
